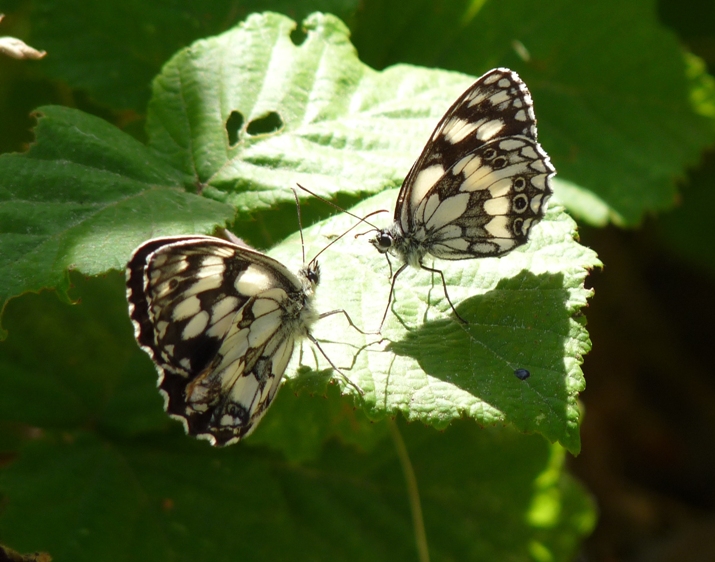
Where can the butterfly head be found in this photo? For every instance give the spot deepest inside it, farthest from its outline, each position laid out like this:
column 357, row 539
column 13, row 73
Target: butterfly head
column 311, row 275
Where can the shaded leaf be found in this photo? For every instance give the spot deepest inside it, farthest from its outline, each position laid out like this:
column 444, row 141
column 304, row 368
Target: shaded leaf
column 118, row 47
column 82, row 498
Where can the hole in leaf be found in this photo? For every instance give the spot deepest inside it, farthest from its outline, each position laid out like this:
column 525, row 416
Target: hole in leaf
column 267, row 124
column 298, row 36
column 233, row 127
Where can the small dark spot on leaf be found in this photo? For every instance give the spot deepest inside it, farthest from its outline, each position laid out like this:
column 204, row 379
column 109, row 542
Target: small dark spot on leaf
column 522, row 374
column 233, row 127
column 267, row 124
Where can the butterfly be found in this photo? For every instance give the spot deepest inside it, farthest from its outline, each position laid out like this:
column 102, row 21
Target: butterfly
column 220, row 321
column 480, row 184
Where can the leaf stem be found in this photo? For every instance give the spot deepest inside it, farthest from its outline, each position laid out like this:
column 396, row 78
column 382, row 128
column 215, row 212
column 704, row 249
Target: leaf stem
column 412, row 492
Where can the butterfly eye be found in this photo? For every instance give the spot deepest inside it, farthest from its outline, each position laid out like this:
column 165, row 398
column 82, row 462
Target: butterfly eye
column 383, row 242
column 519, row 184
column 313, row 275
column 489, row 153
column 499, row 163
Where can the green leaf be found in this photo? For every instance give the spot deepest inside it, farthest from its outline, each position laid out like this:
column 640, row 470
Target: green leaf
column 82, row 498
column 523, row 311
column 333, row 123
column 82, row 198
column 617, row 99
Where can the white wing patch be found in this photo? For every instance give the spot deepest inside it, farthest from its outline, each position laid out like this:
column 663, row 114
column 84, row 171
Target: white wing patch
column 490, row 129
column 456, row 130
column 196, row 325
column 188, row 307
column 424, row 181
column 448, row 211
column 252, row 281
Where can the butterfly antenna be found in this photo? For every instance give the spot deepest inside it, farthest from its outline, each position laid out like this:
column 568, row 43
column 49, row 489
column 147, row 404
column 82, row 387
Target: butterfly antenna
column 360, row 221
column 339, row 208
column 300, row 223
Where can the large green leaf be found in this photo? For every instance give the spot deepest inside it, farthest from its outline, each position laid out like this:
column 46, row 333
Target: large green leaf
column 86, row 194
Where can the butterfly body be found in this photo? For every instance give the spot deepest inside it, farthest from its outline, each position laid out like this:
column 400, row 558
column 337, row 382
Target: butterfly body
column 220, row 320
column 480, row 184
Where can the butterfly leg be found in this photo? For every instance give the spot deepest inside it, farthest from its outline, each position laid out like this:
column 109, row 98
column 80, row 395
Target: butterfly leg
column 389, row 263
column 446, row 294
column 392, row 294
column 360, row 391
column 350, row 321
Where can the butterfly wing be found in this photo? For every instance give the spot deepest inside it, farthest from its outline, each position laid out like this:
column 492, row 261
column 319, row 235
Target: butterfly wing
column 483, row 179
column 219, row 321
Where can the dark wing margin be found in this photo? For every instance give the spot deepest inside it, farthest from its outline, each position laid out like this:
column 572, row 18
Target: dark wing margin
column 136, row 292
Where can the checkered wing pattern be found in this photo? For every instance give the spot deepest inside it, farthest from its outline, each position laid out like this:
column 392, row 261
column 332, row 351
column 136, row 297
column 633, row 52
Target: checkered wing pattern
column 219, row 320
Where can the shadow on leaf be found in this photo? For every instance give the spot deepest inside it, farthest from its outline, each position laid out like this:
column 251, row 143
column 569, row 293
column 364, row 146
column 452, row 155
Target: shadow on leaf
column 521, row 324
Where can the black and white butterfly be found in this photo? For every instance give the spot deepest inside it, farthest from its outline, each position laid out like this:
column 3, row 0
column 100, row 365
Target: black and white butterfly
column 480, row 184
column 220, row 320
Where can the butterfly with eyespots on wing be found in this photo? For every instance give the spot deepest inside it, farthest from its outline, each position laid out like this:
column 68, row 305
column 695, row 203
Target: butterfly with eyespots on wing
column 480, row 184
column 220, row 321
